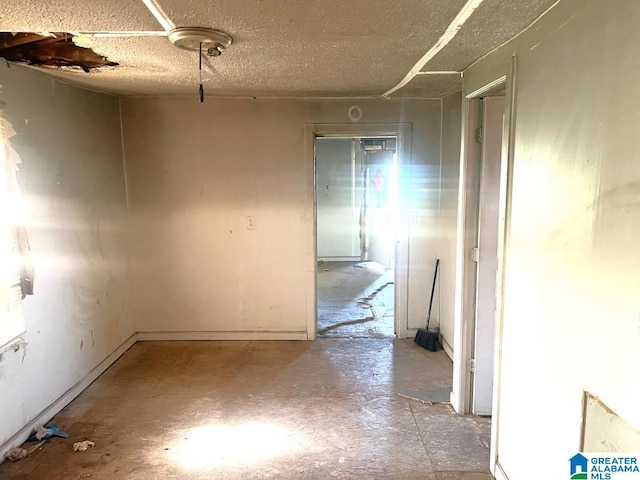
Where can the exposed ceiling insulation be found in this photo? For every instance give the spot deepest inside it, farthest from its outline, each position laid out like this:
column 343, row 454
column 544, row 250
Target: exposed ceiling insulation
column 55, row 50
column 280, row 48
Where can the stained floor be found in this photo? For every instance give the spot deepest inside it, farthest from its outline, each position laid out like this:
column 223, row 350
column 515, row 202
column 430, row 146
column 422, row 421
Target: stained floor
column 355, row 299
column 242, row 410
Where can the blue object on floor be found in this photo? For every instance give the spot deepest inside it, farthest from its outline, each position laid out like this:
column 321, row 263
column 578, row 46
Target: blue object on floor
column 52, row 432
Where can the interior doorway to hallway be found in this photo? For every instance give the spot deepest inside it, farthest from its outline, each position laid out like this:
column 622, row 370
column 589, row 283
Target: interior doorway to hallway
column 491, row 108
column 482, row 216
column 483, row 211
column 356, row 211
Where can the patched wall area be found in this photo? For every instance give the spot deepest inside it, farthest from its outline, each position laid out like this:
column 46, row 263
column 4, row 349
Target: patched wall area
column 604, row 431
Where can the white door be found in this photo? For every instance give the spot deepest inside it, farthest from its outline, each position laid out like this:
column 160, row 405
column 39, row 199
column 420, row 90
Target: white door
column 493, row 117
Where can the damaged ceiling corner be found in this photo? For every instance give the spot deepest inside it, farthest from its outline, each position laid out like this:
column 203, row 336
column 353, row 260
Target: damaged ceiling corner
column 54, row 50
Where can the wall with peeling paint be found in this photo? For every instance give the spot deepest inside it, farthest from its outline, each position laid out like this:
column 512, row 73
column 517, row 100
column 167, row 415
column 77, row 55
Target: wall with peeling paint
column 572, row 281
column 73, row 183
column 447, row 220
column 195, row 171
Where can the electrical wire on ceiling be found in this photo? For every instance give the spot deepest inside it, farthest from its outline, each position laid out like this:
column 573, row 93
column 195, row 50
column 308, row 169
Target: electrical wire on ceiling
column 206, row 41
column 201, row 89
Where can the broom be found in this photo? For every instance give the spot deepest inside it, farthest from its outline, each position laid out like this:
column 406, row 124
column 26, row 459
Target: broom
column 424, row 337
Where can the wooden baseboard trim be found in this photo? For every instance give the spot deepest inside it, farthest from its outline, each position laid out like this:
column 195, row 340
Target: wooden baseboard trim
column 207, row 336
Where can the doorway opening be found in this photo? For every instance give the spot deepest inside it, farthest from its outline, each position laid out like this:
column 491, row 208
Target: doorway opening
column 483, row 220
column 483, row 205
column 356, row 182
column 490, row 108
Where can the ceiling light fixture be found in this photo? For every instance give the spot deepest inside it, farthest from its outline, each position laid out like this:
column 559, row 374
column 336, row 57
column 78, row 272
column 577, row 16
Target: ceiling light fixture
column 191, row 38
column 205, row 41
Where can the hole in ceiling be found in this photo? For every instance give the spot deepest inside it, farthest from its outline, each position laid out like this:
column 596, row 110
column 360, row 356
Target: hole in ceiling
column 56, row 50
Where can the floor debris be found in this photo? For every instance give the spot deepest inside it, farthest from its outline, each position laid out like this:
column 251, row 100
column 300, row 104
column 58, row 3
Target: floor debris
column 83, row 446
column 46, row 432
column 18, row 453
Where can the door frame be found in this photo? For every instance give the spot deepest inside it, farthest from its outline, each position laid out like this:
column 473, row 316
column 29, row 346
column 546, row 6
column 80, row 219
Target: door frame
column 403, row 134
column 506, row 192
column 488, row 228
column 465, row 286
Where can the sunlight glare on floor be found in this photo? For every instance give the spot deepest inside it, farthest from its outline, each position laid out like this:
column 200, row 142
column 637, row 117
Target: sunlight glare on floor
column 235, row 445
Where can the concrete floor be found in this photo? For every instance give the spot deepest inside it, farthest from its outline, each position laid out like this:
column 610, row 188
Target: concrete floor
column 290, row 410
column 355, row 300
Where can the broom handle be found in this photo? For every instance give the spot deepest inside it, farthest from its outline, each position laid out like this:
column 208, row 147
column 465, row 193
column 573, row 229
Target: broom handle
column 433, row 289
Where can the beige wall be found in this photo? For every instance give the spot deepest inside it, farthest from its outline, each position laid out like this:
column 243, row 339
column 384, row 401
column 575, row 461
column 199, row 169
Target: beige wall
column 72, row 178
column 195, row 171
column 572, row 304
column 447, row 221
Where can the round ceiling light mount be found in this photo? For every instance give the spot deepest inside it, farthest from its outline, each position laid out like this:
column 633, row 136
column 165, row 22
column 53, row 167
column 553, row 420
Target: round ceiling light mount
column 191, row 38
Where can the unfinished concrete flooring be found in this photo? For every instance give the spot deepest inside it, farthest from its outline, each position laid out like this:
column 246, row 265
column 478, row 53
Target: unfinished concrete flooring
column 289, row 410
column 355, row 300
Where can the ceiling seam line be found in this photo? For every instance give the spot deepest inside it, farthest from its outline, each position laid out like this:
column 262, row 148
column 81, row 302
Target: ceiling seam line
column 444, row 72
column 451, row 31
column 515, row 36
column 160, row 15
column 122, row 33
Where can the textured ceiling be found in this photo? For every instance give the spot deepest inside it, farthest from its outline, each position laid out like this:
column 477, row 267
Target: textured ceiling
column 430, row 86
column 280, row 47
column 75, row 15
column 491, row 25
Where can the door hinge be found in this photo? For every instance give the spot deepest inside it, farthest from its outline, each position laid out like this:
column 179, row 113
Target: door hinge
column 474, row 254
column 479, row 135
column 471, row 365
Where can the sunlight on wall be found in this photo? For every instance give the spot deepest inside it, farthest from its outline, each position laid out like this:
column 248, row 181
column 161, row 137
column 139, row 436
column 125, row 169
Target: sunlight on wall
column 11, row 208
column 10, row 211
column 218, row 445
column 11, row 320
